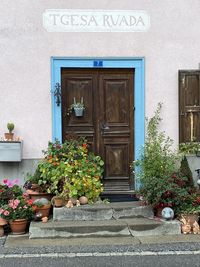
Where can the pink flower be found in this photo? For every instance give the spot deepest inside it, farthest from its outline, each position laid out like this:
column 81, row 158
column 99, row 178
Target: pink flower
column 16, row 202
column 25, row 195
column 5, row 181
column 16, row 181
column 10, row 183
column 13, row 203
column 1, row 211
column 6, row 213
column 25, row 207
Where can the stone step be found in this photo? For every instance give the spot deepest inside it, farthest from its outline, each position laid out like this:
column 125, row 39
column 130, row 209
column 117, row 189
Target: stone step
column 101, row 211
column 103, row 228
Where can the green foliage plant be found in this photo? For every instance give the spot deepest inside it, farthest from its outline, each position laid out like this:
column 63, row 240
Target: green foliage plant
column 161, row 182
column 70, row 170
column 10, row 126
column 189, row 148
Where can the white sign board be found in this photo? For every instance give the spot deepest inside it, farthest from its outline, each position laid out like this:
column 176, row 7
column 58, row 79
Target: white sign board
column 72, row 20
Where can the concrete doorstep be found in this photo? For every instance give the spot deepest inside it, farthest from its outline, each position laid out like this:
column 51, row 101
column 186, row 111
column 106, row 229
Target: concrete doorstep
column 110, row 228
column 101, row 211
column 103, row 220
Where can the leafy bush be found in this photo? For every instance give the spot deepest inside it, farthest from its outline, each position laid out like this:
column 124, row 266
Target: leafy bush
column 71, row 170
column 162, row 183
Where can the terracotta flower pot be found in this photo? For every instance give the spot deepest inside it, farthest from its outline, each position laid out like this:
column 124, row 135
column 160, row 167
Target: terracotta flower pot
column 18, row 227
column 57, row 202
column 9, row 136
column 3, row 222
column 44, row 210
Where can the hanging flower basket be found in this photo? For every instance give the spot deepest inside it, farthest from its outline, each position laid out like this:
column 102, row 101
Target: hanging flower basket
column 77, row 107
column 78, row 111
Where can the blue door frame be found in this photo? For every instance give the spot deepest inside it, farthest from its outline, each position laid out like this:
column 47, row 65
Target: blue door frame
column 131, row 63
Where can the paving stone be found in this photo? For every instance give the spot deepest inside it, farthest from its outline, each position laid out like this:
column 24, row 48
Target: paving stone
column 161, row 228
column 78, row 229
column 82, row 213
column 130, row 212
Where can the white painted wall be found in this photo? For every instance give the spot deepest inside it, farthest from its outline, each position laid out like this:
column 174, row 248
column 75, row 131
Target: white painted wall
column 171, row 43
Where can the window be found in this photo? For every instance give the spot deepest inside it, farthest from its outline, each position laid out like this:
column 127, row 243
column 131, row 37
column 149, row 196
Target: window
column 189, row 105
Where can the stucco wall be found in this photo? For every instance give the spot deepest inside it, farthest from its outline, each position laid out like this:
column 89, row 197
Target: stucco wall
column 171, row 43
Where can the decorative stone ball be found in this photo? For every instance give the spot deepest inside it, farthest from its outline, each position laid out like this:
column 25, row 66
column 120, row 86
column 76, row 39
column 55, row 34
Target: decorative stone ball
column 167, row 213
column 83, row 200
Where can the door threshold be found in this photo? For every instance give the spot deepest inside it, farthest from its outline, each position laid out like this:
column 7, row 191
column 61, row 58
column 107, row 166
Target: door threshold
column 119, row 196
column 118, row 192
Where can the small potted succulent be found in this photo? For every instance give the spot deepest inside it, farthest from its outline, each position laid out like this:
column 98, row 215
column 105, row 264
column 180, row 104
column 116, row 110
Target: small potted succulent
column 78, row 107
column 10, row 134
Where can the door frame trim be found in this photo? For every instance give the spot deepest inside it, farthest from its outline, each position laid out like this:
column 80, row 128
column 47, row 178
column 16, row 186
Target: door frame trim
column 139, row 93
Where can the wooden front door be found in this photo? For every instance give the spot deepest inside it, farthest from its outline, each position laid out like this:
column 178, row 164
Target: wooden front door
column 107, row 122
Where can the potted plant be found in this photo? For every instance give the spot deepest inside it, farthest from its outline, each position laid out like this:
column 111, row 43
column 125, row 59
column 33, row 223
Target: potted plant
column 10, row 134
column 42, row 208
column 77, row 107
column 37, row 187
column 58, row 201
column 18, row 212
column 190, row 208
column 83, row 172
column 68, row 170
column 9, row 190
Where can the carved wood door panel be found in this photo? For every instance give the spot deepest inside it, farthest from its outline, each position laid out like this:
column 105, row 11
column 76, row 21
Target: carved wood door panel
column 108, row 118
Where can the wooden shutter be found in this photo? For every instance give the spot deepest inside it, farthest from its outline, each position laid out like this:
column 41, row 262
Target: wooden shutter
column 189, row 105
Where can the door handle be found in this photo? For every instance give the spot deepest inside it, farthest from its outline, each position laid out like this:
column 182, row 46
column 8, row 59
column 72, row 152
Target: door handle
column 104, row 127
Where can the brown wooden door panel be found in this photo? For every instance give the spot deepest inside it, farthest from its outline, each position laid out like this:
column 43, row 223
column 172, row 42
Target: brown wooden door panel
column 77, row 84
column 116, row 116
column 189, row 105
column 108, row 119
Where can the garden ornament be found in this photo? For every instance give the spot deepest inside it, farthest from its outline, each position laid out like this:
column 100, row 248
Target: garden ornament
column 167, row 213
column 195, row 228
column 78, row 203
column 185, row 228
column 44, row 219
column 69, row 204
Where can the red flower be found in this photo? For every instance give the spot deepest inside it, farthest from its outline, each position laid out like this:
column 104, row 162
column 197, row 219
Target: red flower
column 84, row 145
column 29, row 201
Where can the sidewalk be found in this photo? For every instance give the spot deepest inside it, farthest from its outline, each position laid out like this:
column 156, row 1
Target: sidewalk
column 22, row 245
